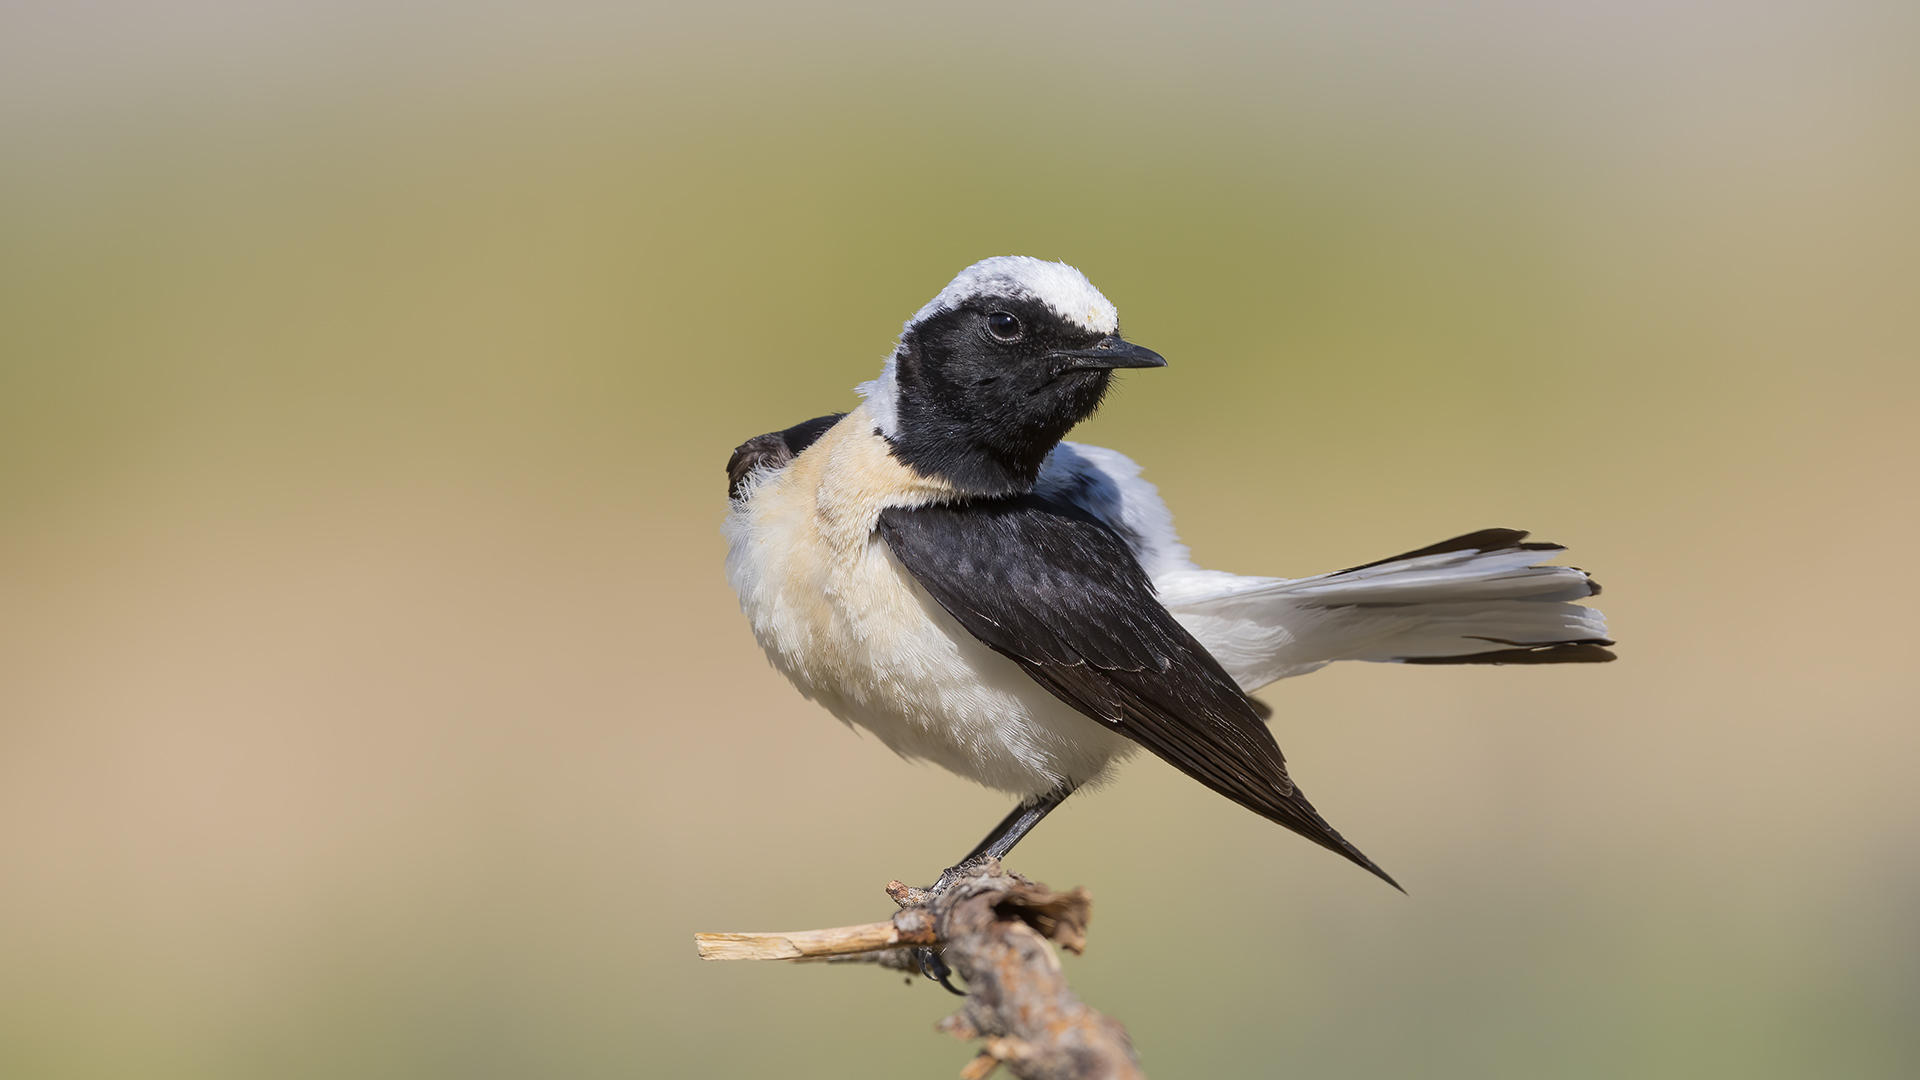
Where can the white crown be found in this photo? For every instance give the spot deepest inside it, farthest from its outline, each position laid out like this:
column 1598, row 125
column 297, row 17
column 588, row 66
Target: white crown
column 1020, row 277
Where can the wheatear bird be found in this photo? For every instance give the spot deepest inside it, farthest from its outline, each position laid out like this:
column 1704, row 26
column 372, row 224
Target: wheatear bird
column 939, row 568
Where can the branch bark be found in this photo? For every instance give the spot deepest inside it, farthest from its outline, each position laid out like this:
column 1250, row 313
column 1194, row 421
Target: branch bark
column 994, row 929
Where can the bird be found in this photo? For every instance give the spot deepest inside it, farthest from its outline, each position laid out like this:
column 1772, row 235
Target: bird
column 939, row 567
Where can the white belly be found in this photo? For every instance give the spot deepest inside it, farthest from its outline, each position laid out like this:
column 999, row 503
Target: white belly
column 839, row 616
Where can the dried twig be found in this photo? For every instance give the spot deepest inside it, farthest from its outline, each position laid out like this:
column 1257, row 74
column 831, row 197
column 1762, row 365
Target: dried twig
column 993, row 928
column 818, row 944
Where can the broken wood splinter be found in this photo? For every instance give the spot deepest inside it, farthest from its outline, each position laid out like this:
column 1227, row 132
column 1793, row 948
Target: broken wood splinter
column 799, row 944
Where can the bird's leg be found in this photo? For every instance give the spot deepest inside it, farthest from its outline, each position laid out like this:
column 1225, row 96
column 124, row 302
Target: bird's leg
column 997, row 844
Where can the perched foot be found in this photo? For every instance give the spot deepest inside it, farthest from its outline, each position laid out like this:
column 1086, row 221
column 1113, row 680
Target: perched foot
column 936, row 969
column 929, row 958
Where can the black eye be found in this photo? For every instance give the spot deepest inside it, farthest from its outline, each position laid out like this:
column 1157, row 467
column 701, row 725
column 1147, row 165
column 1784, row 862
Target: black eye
column 1003, row 326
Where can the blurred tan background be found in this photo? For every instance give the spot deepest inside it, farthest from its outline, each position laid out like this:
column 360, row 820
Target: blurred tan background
column 372, row 703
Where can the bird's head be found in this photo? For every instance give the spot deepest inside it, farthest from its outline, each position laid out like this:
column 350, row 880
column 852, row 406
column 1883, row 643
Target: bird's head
column 995, row 370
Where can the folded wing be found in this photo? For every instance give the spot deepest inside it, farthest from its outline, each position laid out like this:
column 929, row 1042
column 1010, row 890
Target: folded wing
column 1059, row 592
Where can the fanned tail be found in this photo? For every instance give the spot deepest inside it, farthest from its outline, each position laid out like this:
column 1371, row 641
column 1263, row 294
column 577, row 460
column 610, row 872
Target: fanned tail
column 1480, row 598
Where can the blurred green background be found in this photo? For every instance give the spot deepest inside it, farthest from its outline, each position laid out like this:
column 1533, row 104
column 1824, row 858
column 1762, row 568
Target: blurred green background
column 372, row 703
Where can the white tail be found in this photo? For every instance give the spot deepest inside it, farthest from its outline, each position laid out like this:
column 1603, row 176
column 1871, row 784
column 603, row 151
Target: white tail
column 1475, row 599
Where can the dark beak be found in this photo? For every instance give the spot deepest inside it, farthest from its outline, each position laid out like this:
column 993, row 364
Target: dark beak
column 1111, row 352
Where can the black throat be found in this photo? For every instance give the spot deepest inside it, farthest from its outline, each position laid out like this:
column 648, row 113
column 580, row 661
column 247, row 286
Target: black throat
column 984, row 416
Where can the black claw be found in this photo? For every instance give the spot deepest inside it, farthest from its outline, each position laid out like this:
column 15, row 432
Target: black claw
column 936, row 969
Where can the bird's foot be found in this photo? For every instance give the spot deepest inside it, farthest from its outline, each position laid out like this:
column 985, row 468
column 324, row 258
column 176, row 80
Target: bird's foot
column 931, row 965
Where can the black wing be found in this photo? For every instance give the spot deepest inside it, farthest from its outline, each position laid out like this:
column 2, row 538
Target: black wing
column 1058, row 592
column 774, row 449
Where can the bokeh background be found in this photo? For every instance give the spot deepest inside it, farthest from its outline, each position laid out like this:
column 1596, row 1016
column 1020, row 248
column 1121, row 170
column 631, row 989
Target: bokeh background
column 372, row 703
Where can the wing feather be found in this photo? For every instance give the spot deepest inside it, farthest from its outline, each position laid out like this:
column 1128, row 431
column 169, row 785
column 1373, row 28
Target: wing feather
column 1057, row 591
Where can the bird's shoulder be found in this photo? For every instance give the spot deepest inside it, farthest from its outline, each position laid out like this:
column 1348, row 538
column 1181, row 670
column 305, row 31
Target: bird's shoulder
column 774, row 450
column 1042, row 580
column 1107, row 484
